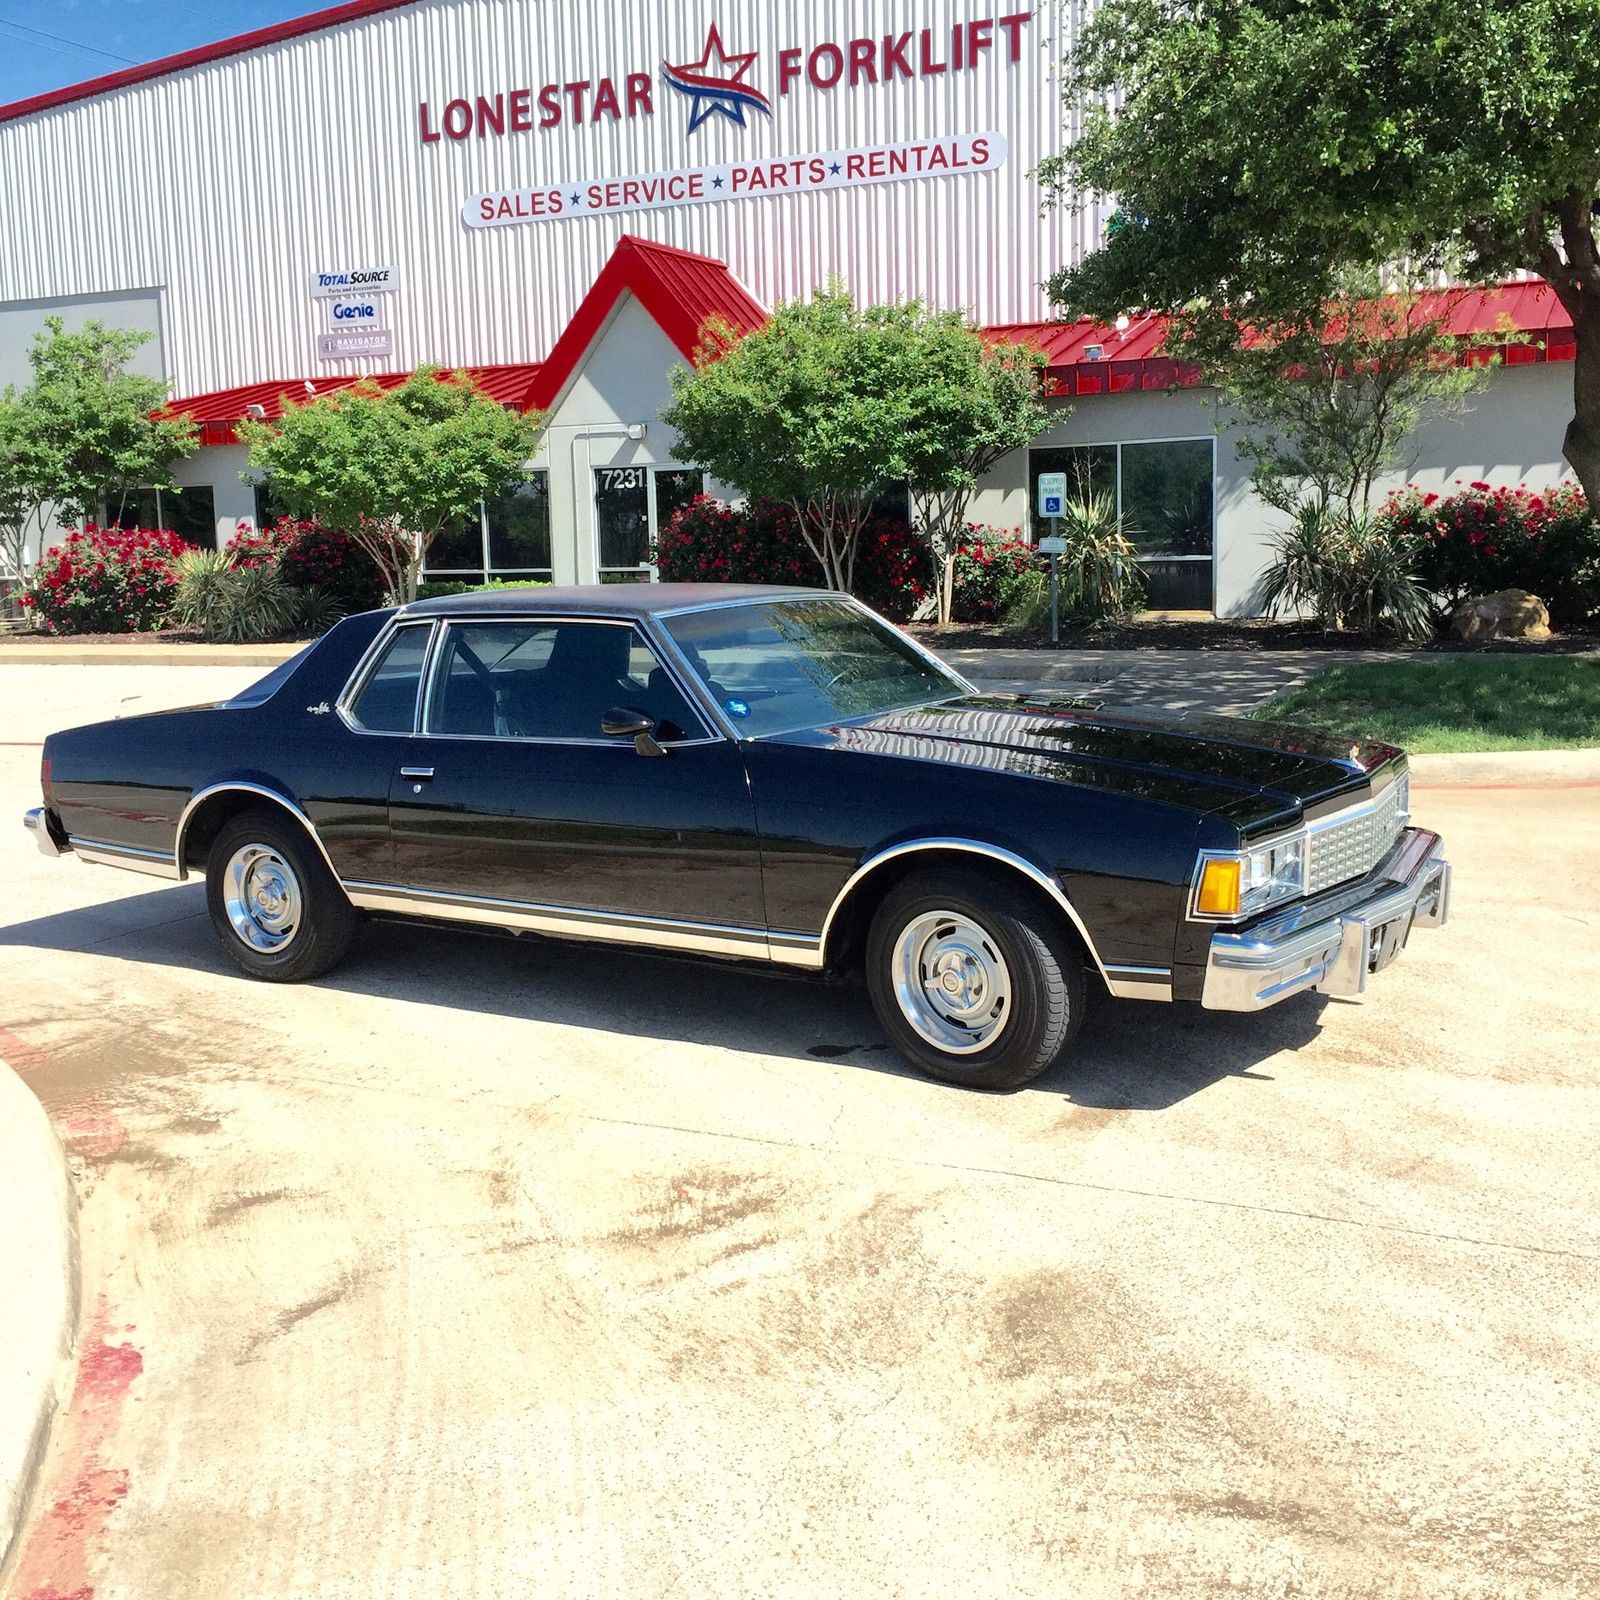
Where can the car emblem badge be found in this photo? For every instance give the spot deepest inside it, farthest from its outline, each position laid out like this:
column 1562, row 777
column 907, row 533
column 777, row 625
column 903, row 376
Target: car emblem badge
column 319, row 710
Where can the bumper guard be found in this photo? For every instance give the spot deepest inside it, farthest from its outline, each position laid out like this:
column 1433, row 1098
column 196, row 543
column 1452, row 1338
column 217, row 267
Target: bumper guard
column 37, row 822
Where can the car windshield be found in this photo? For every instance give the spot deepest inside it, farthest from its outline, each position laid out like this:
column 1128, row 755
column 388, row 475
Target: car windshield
column 777, row 665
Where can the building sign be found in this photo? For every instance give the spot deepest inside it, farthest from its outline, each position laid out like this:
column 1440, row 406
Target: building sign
column 354, row 281
column 739, row 180
column 718, row 82
column 347, row 344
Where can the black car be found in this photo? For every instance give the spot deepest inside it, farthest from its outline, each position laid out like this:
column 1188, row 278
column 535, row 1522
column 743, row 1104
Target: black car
column 764, row 774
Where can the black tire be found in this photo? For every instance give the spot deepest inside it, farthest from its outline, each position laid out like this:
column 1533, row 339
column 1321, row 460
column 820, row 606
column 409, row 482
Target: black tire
column 316, row 921
column 1039, row 972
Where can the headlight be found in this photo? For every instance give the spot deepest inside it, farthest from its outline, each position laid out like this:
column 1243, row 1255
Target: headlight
column 1243, row 884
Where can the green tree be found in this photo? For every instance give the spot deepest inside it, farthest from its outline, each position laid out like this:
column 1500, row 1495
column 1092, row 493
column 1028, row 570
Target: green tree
column 1331, row 403
column 829, row 402
column 393, row 468
column 1259, row 148
column 975, row 402
column 27, row 467
column 93, row 422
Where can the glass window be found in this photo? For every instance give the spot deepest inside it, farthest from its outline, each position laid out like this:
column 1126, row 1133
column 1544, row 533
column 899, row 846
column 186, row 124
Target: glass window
column 674, row 491
column 893, row 501
column 1166, row 497
column 269, row 508
column 551, row 680
column 519, row 527
column 622, row 522
column 779, row 664
column 133, row 508
column 458, row 552
column 387, row 702
column 1090, row 469
column 191, row 514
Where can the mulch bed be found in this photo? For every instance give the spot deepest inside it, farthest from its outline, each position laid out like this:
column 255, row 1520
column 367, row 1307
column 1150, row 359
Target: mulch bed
column 1226, row 635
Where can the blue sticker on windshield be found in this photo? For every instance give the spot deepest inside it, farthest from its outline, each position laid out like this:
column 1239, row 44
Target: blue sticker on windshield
column 737, row 708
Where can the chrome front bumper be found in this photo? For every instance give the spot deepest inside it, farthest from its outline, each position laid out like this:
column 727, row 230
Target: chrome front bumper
column 37, row 822
column 1335, row 953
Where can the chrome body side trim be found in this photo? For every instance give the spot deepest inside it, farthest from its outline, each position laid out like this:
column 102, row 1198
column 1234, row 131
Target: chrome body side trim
column 1295, row 951
column 970, row 847
column 1139, row 983
column 565, row 922
column 243, row 787
column 103, row 853
column 37, row 822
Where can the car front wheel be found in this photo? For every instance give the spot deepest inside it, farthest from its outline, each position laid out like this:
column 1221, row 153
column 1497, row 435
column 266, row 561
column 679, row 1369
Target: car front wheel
column 974, row 982
column 280, row 913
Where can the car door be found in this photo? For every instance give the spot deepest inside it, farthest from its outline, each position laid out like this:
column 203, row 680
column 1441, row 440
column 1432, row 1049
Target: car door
column 510, row 791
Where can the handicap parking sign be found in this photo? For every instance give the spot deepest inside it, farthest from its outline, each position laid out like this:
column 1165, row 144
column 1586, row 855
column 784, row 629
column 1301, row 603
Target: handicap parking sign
column 1052, row 494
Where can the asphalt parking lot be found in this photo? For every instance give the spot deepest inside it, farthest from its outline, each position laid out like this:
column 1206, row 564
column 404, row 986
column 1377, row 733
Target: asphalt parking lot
column 489, row 1268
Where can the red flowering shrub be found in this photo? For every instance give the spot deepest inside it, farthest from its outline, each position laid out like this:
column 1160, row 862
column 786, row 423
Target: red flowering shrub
column 708, row 542
column 989, row 561
column 310, row 556
column 104, row 580
column 1481, row 539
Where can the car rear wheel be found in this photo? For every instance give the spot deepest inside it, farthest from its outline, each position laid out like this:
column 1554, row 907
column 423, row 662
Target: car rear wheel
column 974, row 981
column 278, row 910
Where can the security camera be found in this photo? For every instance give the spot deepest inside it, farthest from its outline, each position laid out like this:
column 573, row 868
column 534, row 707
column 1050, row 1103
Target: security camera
column 258, row 412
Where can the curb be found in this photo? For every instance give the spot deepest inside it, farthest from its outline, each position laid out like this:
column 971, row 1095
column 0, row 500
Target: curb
column 39, row 1296
column 66, row 654
column 1509, row 769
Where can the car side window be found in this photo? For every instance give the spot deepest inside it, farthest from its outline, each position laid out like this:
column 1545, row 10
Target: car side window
column 387, row 701
column 551, row 680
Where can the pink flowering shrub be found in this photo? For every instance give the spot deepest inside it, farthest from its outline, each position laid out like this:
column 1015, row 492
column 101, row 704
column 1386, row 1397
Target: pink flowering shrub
column 989, row 561
column 310, row 556
column 1480, row 539
column 709, row 542
column 104, row 580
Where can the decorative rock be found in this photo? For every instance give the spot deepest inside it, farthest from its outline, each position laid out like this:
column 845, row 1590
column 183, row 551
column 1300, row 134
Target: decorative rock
column 1506, row 614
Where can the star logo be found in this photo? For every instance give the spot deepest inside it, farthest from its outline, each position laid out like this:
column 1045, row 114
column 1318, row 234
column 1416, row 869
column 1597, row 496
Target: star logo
column 719, row 89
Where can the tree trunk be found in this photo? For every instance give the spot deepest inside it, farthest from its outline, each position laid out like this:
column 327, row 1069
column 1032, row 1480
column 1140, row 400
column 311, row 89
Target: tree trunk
column 1582, row 444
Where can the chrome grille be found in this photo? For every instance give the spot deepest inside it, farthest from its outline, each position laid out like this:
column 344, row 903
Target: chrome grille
column 1346, row 847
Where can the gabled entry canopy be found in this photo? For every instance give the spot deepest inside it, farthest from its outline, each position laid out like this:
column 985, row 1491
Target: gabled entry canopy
column 681, row 292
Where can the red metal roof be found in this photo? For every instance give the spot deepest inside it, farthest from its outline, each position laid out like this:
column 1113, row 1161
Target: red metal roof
column 1088, row 358
column 313, row 22
column 218, row 413
column 681, row 291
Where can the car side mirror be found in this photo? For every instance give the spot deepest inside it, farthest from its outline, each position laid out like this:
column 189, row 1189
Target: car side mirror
column 621, row 723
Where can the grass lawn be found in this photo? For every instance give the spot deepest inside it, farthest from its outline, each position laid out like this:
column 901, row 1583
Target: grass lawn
column 1454, row 702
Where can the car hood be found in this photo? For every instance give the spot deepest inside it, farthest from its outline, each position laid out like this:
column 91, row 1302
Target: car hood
column 1251, row 772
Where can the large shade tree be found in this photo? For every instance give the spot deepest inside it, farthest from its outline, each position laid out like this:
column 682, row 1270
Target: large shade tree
column 1259, row 148
column 830, row 402
column 394, row 468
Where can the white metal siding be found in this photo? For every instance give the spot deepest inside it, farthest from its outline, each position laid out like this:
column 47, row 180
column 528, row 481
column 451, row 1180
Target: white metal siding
column 226, row 185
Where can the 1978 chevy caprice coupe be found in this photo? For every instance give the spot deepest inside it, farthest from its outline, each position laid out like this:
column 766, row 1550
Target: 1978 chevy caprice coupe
column 769, row 774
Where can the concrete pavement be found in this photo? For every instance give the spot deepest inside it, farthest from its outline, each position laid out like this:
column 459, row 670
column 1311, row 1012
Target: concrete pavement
column 489, row 1268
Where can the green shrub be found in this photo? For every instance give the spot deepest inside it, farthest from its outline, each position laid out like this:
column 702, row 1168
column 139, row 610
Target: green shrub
column 104, row 580
column 442, row 588
column 310, row 556
column 230, row 603
column 1099, row 573
column 1348, row 573
column 988, row 564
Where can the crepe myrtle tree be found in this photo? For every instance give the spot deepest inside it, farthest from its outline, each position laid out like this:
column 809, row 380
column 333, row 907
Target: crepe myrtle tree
column 27, row 465
column 1260, row 148
column 394, row 468
column 93, row 427
column 828, row 402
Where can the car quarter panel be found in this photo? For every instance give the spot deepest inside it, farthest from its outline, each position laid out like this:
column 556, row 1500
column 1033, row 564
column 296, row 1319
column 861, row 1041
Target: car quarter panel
column 1122, row 858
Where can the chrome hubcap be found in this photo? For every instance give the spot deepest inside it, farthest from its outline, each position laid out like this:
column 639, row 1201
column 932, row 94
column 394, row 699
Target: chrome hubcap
column 263, row 898
column 951, row 981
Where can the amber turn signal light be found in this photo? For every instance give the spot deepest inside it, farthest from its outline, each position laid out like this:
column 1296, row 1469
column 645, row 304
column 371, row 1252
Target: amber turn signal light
column 1219, row 889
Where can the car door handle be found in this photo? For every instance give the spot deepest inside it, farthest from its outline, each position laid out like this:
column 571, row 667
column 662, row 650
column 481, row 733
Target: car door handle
column 417, row 773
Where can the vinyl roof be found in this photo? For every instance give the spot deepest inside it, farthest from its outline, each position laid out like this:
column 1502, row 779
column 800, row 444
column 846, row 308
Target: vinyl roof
column 607, row 599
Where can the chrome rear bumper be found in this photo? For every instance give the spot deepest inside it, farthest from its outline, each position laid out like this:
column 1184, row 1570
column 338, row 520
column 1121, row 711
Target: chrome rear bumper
column 1303, row 949
column 37, row 822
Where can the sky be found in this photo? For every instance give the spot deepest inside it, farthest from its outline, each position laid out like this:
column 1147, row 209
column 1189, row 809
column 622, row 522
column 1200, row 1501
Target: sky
column 49, row 45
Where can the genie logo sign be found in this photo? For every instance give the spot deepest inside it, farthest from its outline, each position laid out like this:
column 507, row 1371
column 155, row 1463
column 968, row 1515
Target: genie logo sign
column 354, row 310
column 723, row 83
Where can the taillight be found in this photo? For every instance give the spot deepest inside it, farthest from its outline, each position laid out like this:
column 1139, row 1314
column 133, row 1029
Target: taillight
column 44, row 780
